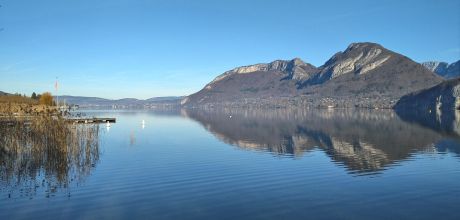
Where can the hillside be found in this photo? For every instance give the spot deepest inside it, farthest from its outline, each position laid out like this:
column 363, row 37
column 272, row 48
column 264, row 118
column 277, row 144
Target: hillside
column 437, row 107
column 442, row 98
column 276, row 79
column 364, row 75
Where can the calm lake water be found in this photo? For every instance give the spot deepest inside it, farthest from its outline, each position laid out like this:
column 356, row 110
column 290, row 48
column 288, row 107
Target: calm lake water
column 245, row 164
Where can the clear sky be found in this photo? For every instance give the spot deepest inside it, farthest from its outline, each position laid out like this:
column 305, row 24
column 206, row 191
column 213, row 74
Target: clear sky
column 143, row 49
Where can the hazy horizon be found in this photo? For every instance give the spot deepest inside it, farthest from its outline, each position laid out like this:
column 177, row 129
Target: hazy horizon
column 147, row 49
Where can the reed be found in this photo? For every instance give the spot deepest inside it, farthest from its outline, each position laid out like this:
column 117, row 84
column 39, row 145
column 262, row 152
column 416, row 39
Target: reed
column 46, row 151
column 17, row 99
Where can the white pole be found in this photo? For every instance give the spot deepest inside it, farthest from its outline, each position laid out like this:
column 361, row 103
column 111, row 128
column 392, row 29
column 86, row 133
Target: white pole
column 56, row 88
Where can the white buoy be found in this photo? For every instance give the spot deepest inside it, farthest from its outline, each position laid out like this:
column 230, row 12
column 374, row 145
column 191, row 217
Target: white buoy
column 230, row 116
column 143, row 124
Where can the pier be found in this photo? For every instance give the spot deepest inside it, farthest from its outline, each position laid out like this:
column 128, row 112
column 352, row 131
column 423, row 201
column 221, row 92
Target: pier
column 29, row 119
column 91, row 120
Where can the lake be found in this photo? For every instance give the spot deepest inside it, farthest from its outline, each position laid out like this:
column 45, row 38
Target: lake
column 244, row 164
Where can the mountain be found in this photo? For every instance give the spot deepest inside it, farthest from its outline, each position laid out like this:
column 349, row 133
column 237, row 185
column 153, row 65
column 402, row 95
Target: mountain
column 448, row 71
column 364, row 75
column 276, row 79
column 127, row 102
column 3, row 93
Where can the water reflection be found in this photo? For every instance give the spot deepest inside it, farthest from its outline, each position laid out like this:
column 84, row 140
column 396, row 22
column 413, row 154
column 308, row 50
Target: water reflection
column 364, row 141
column 45, row 155
column 447, row 122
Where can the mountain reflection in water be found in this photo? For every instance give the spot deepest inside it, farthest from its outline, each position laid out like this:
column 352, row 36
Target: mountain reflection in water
column 364, row 141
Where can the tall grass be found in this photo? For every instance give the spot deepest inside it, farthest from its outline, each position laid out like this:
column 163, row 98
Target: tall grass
column 46, row 152
column 17, row 99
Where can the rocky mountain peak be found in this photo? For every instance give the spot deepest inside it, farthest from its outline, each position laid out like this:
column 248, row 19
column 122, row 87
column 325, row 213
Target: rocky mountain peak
column 363, row 46
column 358, row 58
column 295, row 69
column 448, row 71
column 435, row 66
column 277, row 65
column 297, row 61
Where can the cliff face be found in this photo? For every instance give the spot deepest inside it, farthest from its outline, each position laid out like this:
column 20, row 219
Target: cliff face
column 365, row 74
column 294, row 69
column 358, row 58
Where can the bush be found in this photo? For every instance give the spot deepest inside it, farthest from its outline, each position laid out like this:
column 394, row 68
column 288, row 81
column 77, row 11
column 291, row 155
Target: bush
column 46, row 99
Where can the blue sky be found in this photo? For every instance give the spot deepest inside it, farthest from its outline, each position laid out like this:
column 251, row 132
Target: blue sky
column 143, row 49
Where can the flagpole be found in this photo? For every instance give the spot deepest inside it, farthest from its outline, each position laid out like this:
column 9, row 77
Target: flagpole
column 56, row 88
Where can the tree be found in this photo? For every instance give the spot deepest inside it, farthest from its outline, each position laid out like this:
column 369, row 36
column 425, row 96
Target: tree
column 46, row 99
column 34, row 96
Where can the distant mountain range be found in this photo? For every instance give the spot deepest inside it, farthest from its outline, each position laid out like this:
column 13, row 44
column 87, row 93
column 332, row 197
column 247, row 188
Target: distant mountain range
column 364, row 75
column 448, row 71
column 127, row 102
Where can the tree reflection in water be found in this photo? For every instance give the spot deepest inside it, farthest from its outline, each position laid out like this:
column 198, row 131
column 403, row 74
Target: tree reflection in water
column 45, row 155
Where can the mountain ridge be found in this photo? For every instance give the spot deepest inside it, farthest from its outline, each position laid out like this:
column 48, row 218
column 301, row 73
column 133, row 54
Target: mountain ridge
column 96, row 101
column 364, row 74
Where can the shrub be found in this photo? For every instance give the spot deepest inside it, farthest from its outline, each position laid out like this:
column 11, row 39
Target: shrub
column 46, row 99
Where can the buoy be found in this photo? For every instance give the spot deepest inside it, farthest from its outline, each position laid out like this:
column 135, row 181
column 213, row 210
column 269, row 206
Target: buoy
column 108, row 123
column 230, row 116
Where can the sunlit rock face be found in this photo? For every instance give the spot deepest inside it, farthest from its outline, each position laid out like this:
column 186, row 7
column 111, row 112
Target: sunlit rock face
column 293, row 69
column 363, row 141
column 265, row 81
column 358, row 58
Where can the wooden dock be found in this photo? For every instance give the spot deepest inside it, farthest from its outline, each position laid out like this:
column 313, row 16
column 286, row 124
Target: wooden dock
column 29, row 119
column 91, row 120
